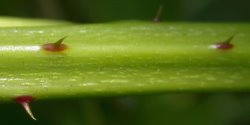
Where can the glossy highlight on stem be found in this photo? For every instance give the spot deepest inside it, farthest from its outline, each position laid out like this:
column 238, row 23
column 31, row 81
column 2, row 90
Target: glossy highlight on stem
column 19, row 48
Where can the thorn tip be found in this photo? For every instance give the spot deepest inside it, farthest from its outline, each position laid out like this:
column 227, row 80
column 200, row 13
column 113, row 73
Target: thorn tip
column 59, row 42
column 28, row 110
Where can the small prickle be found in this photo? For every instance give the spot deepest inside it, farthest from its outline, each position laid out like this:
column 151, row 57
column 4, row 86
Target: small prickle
column 225, row 45
column 57, row 46
column 24, row 101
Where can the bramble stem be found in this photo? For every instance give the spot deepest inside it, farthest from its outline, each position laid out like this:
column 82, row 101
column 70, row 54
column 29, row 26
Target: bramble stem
column 123, row 58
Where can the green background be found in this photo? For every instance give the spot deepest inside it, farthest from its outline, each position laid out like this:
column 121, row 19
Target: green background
column 110, row 10
column 162, row 109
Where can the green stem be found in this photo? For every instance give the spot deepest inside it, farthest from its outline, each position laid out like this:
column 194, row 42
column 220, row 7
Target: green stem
column 123, row 58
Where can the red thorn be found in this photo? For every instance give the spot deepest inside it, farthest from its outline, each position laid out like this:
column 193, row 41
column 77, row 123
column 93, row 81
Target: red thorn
column 24, row 101
column 55, row 47
column 24, row 98
column 225, row 45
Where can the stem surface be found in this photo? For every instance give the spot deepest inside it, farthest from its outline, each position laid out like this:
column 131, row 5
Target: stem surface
column 122, row 58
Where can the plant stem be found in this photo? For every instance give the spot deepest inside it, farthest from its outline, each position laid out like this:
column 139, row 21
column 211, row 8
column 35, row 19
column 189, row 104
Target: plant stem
column 123, row 58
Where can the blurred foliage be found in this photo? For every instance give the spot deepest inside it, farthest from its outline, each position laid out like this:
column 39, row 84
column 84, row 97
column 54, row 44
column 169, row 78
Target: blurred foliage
column 110, row 10
column 174, row 109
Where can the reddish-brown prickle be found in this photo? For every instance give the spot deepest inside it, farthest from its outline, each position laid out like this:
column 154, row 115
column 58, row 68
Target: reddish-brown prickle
column 24, row 99
column 58, row 46
column 225, row 45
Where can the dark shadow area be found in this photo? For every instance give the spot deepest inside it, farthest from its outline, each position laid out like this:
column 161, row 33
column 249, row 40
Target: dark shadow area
column 111, row 10
column 174, row 109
